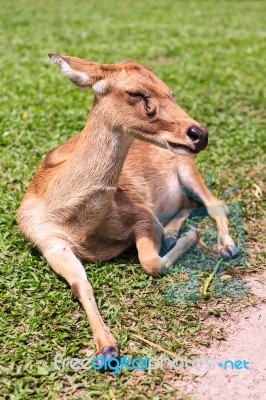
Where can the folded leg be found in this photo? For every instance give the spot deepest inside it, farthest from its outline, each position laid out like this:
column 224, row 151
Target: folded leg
column 148, row 243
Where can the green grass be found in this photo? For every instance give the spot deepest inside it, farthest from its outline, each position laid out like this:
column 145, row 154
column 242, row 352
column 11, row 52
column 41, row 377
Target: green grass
column 211, row 54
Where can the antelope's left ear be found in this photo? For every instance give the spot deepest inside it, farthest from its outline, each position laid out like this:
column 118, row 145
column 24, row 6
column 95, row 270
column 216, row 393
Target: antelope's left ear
column 82, row 73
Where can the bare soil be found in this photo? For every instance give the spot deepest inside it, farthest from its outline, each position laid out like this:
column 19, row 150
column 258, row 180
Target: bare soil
column 245, row 340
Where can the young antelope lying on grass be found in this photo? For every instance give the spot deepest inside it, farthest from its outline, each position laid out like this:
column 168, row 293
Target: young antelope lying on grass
column 98, row 194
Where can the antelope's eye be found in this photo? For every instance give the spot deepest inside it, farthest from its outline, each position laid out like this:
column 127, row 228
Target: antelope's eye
column 135, row 94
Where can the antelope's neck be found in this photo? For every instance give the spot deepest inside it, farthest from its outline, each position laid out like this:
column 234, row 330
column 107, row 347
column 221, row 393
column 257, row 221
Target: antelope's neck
column 93, row 169
column 101, row 153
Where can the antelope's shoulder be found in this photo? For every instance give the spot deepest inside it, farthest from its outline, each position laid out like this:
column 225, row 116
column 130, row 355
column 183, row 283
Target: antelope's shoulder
column 61, row 153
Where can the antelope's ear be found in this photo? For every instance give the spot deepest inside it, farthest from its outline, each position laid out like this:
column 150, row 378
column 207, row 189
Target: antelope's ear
column 82, row 73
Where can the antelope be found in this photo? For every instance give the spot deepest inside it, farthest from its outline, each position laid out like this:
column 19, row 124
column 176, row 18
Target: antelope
column 100, row 192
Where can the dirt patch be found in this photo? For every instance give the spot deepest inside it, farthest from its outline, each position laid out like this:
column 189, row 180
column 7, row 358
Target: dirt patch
column 245, row 340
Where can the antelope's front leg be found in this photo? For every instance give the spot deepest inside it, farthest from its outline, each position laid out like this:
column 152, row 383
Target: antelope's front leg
column 64, row 262
column 148, row 242
column 217, row 211
column 192, row 180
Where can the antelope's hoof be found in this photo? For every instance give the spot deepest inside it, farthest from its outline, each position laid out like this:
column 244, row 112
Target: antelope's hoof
column 229, row 252
column 110, row 352
column 169, row 243
column 105, row 358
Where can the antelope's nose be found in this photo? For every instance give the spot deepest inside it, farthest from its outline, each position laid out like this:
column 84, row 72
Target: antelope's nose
column 199, row 137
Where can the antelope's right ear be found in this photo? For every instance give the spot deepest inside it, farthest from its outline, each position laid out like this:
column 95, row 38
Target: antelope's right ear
column 82, row 73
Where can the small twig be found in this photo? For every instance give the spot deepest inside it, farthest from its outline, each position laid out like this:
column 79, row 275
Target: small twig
column 156, row 346
column 210, row 277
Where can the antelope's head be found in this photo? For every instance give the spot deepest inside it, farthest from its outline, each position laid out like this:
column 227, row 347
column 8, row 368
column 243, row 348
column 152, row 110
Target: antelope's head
column 131, row 99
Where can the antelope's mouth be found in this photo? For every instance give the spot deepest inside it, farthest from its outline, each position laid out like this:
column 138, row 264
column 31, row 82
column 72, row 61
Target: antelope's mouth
column 180, row 148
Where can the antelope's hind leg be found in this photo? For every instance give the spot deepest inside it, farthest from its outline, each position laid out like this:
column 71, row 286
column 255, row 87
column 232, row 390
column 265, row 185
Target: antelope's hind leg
column 64, row 262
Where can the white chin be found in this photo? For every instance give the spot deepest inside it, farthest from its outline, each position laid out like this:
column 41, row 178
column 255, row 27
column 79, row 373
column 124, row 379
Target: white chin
column 181, row 151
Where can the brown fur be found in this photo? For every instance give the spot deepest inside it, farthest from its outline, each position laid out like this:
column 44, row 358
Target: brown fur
column 97, row 194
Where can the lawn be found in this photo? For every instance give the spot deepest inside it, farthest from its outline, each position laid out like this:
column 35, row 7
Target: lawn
column 211, row 54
